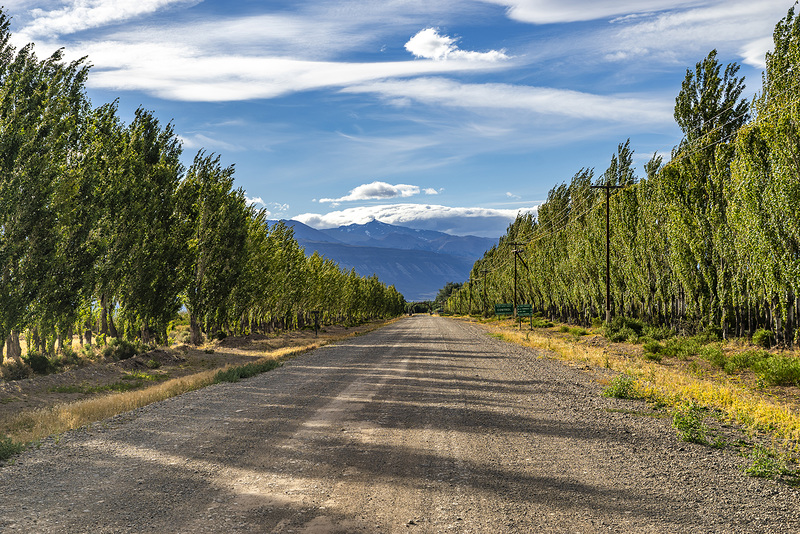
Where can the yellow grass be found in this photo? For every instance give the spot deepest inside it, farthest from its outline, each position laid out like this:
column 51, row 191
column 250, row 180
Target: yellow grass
column 34, row 425
column 755, row 412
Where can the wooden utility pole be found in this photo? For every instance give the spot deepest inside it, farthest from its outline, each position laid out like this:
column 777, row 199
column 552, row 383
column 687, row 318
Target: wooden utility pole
column 484, row 271
column 516, row 252
column 608, row 187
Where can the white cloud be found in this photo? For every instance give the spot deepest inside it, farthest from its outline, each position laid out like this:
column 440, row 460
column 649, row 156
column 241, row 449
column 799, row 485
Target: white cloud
column 186, row 74
column 453, row 220
column 255, row 200
column 512, row 195
column 203, row 141
column 429, row 44
column 430, row 191
column 374, row 191
column 574, row 104
column 80, row 15
column 673, row 34
column 555, row 11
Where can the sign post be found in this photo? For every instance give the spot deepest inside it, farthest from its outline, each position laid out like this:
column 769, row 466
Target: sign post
column 525, row 310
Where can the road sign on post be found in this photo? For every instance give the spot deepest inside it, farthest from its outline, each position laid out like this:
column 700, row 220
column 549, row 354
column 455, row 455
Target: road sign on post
column 525, row 310
column 504, row 309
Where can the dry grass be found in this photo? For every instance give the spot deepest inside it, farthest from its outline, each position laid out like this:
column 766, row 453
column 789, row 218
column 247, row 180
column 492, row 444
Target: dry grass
column 755, row 411
column 31, row 426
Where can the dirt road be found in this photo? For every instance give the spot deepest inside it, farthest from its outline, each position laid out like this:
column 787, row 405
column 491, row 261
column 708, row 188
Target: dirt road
column 427, row 425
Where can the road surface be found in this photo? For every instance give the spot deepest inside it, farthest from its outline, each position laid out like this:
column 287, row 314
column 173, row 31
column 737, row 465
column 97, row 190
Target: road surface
column 427, row 425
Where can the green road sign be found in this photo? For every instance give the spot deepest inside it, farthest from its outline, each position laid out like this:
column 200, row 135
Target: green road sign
column 525, row 310
column 504, row 309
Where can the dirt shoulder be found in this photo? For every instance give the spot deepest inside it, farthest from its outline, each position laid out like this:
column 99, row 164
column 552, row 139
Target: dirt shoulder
column 96, row 379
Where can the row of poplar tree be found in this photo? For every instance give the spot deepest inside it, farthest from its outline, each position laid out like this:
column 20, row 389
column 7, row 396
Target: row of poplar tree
column 708, row 240
column 102, row 227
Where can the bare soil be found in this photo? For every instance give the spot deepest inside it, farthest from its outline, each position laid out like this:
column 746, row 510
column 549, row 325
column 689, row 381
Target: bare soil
column 172, row 362
column 426, row 425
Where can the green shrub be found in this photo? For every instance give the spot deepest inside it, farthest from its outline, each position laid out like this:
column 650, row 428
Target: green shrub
column 622, row 387
column 680, row 347
column 764, row 338
column 234, row 374
column 9, row 448
column 13, row 370
column 121, row 349
column 778, row 370
column 744, row 360
column 653, row 347
column 688, row 421
column 39, row 362
column 765, row 464
column 714, row 355
column 623, row 329
column 659, row 333
column 153, row 364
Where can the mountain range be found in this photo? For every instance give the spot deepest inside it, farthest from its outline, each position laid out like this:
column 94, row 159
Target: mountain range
column 417, row 262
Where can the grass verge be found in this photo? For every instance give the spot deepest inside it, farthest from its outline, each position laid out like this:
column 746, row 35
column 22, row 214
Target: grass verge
column 31, row 426
column 672, row 387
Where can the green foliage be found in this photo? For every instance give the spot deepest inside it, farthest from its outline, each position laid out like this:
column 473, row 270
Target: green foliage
column 235, row 374
column 653, row 350
column 688, row 421
column 714, row 355
column 778, row 370
column 623, row 329
column 622, row 387
column 9, row 448
column 765, row 463
column 764, row 338
column 744, row 360
column 121, row 349
column 40, row 363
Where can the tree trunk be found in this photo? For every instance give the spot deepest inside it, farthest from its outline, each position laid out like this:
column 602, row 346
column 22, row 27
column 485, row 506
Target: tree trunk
column 195, row 336
column 112, row 330
column 103, row 315
column 13, row 348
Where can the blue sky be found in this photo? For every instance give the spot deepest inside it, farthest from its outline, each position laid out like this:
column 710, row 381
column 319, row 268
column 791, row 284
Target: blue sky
column 451, row 115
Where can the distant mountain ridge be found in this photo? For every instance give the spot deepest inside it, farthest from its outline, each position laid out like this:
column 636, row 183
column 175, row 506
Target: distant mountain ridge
column 417, row 262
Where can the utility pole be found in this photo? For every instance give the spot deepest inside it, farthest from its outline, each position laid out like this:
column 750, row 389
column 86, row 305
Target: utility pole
column 608, row 187
column 484, row 271
column 516, row 252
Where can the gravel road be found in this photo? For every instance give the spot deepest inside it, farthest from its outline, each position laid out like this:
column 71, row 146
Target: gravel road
column 427, row 425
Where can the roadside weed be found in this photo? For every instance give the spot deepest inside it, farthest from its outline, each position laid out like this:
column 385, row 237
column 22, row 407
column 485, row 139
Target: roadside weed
column 9, row 448
column 688, row 421
column 622, row 387
column 765, row 463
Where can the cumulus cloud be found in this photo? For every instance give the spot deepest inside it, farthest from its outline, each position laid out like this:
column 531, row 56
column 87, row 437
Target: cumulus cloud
column 486, row 222
column 375, row 191
column 429, row 44
column 255, row 200
column 430, row 191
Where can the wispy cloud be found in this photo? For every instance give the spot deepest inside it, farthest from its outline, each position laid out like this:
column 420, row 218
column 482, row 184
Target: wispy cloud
column 78, row 15
column 453, row 220
column 554, row 11
column 376, row 191
column 574, row 104
column 429, row 44
column 183, row 73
